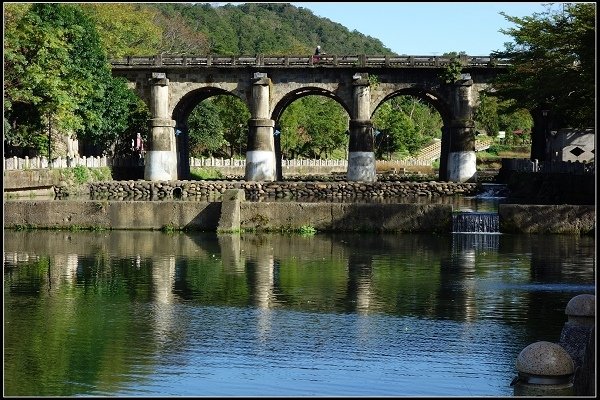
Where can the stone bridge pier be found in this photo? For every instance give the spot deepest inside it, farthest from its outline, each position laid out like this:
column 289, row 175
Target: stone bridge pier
column 459, row 151
column 361, row 158
column 161, row 158
column 260, row 156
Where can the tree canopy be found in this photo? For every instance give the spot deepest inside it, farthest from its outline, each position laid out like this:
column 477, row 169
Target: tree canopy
column 57, row 76
column 553, row 63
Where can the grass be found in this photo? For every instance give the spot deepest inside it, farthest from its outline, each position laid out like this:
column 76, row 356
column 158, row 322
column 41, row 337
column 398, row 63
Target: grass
column 491, row 159
column 205, row 173
column 80, row 175
column 307, row 230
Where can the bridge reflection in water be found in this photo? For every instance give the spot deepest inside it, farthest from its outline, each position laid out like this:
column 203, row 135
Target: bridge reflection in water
column 332, row 314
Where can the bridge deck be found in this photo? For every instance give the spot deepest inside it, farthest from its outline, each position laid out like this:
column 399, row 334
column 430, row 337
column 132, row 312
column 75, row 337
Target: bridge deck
column 326, row 60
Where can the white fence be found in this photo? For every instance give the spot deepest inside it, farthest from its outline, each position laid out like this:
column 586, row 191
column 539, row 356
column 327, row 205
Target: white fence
column 14, row 163
column 59, row 162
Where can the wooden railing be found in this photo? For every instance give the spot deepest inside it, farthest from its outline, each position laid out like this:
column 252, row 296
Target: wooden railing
column 362, row 61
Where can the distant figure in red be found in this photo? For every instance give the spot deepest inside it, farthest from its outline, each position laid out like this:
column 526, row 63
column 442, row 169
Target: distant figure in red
column 317, row 56
column 137, row 145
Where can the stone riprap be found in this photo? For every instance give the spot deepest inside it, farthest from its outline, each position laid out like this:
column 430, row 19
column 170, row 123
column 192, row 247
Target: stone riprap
column 212, row 190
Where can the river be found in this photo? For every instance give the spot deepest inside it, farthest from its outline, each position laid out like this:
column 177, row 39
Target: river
column 141, row 313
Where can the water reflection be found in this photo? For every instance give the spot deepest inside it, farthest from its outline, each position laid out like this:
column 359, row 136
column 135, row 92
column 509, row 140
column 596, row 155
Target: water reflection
column 150, row 313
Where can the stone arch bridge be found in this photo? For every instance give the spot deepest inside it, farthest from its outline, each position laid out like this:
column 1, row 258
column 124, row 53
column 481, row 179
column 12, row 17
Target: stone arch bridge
column 172, row 86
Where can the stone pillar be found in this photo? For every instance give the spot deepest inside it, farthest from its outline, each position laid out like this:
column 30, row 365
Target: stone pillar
column 260, row 156
column 461, row 162
column 361, row 158
column 230, row 210
column 161, row 156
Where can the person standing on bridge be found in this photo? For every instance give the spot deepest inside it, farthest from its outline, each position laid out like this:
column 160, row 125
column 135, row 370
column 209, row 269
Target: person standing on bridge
column 317, row 56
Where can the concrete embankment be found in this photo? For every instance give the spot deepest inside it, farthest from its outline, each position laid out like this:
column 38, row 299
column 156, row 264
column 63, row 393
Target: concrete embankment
column 235, row 214
column 206, row 216
column 30, row 179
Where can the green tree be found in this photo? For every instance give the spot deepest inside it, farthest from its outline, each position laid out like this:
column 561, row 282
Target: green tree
column 205, row 130
column 326, row 122
column 123, row 115
column 293, row 133
column 486, row 115
column 58, row 78
column 553, row 63
column 406, row 124
column 234, row 116
column 126, row 29
column 517, row 124
column 43, row 82
column 493, row 115
column 313, row 127
column 451, row 73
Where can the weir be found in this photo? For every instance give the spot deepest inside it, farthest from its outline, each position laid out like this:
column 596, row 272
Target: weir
column 475, row 222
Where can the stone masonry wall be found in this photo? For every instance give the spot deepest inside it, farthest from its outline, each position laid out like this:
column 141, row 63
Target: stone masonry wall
column 212, row 190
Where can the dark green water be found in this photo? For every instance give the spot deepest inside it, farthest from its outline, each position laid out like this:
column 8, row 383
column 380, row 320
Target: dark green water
column 133, row 313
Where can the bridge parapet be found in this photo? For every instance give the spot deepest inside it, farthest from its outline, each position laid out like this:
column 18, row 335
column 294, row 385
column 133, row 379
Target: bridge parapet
column 359, row 61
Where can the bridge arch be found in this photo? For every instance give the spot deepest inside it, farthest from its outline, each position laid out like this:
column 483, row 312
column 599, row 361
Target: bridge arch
column 434, row 99
column 296, row 94
column 285, row 101
column 180, row 114
column 429, row 96
column 186, row 104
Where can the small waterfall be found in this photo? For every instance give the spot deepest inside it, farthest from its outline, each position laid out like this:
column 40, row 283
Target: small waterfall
column 493, row 191
column 475, row 222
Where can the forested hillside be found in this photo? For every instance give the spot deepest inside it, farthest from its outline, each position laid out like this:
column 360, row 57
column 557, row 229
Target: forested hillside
column 232, row 29
column 269, row 28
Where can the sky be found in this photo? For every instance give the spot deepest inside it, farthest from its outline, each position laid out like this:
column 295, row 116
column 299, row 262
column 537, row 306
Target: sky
column 423, row 28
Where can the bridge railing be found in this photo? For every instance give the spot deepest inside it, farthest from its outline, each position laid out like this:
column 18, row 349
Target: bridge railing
column 332, row 60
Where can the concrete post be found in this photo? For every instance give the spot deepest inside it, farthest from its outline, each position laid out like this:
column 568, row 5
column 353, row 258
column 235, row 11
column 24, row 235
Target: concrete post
column 260, row 156
column 230, row 210
column 361, row 158
column 161, row 157
column 575, row 338
column 544, row 369
column 461, row 162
